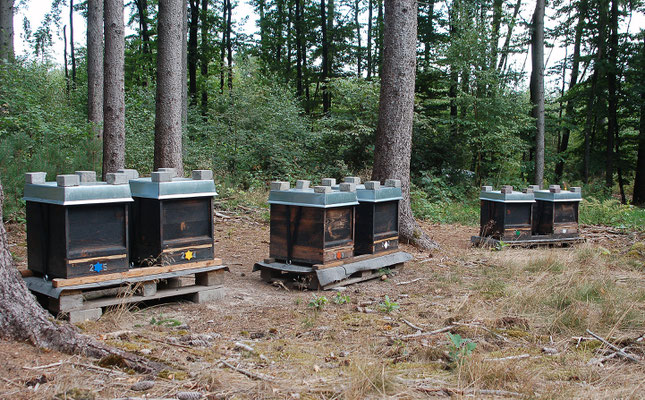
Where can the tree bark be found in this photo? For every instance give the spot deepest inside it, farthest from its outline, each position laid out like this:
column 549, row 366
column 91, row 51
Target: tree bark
column 192, row 50
column 168, row 120
column 71, row 41
column 205, row 59
column 393, row 146
column 369, row 39
column 509, row 35
column 113, row 88
column 575, row 71
column 229, row 44
column 497, row 19
column 612, row 98
column 184, row 70
column 6, row 31
column 359, row 49
column 95, row 66
column 299, row 48
column 23, row 319
column 379, row 36
column 65, row 59
column 639, row 181
column 537, row 88
column 222, row 71
column 142, row 9
column 325, row 56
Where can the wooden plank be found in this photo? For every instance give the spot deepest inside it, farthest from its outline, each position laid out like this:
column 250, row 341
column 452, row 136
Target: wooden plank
column 84, row 260
column 135, row 272
column 174, row 249
column 353, row 259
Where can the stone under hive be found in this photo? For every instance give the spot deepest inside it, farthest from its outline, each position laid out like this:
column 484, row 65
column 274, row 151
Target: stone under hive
column 556, row 212
column 77, row 226
column 506, row 214
column 172, row 218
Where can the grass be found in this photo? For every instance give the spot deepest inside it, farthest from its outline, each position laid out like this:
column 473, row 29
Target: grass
column 612, row 213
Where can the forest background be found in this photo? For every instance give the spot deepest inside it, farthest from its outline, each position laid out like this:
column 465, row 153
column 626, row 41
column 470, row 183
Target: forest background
column 297, row 98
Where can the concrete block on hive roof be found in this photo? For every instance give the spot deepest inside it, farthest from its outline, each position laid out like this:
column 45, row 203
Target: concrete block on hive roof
column 534, row 187
column 352, row 179
column 487, row 188
column 35, row 177
column 116, row 178
column 395, row 183
column 507, row 189
column 528, row 190
column 68, row 180
column 372, row 185
column 322, row 189
column 302, row 184
column 202, row 174
column 161, row 176
column 86, row 176
column 172, row 171
column 347, row 187
column 554, row 188
column 576, row 189
column 131, row 173
column 328, row 181
column 279, row 185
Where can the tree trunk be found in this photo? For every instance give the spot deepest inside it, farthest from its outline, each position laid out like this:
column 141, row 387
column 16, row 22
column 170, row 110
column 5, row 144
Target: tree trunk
column 299, row 48
column 428, row 33
column 393, row 145
column 6, row 31
column 639, row 181
column 575, row 70
column 23, row 319
column 205, row 59
column 229, row 45
column 142, row 9
column 325, row 55
column 192, row 50
column 184, row 71
column 497, row 19
column 537, row 88
column 95, row 66
column 379, row 37
column 222, row 71
column 612, row 98
column 168, row 120
column 113, row 88
column 359, row 50
column 369, row 39
column 509, row 35
column 71, row 41
column 65, row 59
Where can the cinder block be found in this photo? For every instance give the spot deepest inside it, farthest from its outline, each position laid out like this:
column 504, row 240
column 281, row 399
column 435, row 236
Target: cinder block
column 148, row 289
column 328, row 181
column 66, row 302
column 35, row 177
column 279, row 185
column 322, row 189
column 352, row 179
column 507, row 189
column 487, row 188
column 86, row 176
column 161, row 176
column 68, row 180
column 209, row 295
column 528, row 190
column 372, row 185
column 78, row 316
column 534, row 187
column 554, row 188
column 131, row 173
column 347, row 187
column 393, row 183
column 116, row 178
column 576, row 189
column 209, row 278
column 202, row 175
column 172, row 171
column 302, row 184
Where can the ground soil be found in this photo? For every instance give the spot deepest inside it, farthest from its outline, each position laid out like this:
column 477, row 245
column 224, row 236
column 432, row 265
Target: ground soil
column 531, row 305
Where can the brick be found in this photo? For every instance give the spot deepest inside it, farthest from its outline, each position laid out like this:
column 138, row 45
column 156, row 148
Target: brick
column 554, row 188
column 393, row 183
column 202, row 175
column 328, row 181
column 172, row 171
column 131, row 173
column 487, row 188
column 79, row 316
column 209, row 295
column 347, row 187
column 116, row 178
column 576, row 189
column 161, row 176
column 302, row 184
column 507, row 189
column 352, row 179
column 86, row 176
column 372, row 185
column 35, row 177
column 322, row 189
column 68, row 180
column 279, row 185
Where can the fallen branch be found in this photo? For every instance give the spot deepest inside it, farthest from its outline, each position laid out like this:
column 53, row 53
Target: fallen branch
column 518, row 357
column 56, row 364
column 462, row 392
column 411, row 325
column 615, row 348
column 251, row 375
column 426, row 334
column 412, row 281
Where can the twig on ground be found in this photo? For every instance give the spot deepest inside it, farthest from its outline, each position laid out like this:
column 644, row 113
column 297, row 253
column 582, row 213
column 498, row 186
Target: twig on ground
column 412, row 281
column 426, row 334
column 11, row 382
column 615, row 348
column 518, row 357
column 260, row 377
column 243, row 346
column 411, row 325
column 101, row 369
column 462, row 392
column 56, row 364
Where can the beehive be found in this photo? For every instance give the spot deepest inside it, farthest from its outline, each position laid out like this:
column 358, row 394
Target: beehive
column 77, row 226
column 172, row 218
column 311, row 226
column 556, row 212
column 377, row 217
column 506, row 214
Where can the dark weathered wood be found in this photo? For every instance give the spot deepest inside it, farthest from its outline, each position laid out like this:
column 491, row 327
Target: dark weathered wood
column 557, row 219
column 506, row 221
column 377, row 227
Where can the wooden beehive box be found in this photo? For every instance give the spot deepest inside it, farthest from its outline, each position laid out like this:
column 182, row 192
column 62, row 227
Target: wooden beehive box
column 77, row 226
column 172, row 218
column 311, row 226
column 556, row 212
column 377, row 217
column 506, row 214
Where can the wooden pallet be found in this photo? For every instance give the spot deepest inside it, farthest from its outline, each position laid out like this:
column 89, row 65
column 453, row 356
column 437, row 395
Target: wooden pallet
column 354, row 270
column 81, row 300
column 483, row 241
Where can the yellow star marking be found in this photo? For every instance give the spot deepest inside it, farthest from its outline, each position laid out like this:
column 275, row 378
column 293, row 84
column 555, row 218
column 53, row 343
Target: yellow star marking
column 189, row 255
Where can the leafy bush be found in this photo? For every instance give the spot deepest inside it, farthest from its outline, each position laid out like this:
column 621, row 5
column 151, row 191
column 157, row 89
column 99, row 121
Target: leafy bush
column 446, row 212
column 612, row 213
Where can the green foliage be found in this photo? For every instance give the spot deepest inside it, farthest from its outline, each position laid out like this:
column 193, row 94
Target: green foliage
column 161, row 321
column 388, row 306
column 612, row 213
column 341, row 299
column 446, row 211
column 460, row 349
column 318, row 302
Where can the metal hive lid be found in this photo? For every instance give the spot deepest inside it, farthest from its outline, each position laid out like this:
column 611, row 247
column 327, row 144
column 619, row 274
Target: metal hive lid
column 564, row 195
column 85, row 193
column 178, row 188
column 378, row 195
column 308, row 198
column 513, row 197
